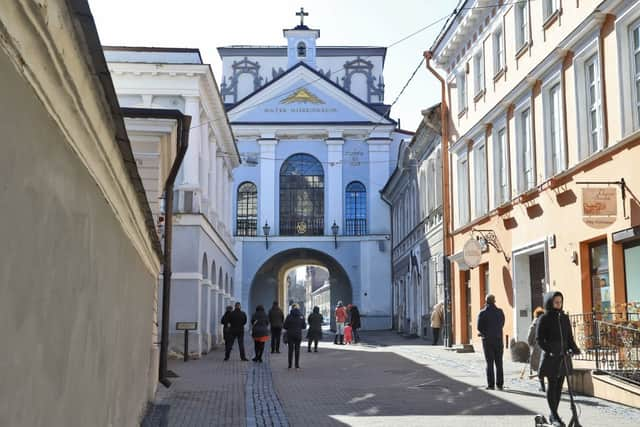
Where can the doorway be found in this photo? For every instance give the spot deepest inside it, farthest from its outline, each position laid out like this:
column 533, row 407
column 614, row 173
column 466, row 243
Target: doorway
column 537, row 279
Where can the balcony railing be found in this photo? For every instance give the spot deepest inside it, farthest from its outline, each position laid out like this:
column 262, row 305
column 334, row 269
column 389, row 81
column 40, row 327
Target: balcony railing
column 611, row 340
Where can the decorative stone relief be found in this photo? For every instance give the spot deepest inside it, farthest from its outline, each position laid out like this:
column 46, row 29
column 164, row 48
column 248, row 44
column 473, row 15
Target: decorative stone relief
column 375, row 91
column 229, row 91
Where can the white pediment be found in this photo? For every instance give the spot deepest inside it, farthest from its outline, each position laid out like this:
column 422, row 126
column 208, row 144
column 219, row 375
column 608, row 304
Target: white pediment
column 303, row 96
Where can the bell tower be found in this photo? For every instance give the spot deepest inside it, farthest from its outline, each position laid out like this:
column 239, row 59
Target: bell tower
column 301, row 42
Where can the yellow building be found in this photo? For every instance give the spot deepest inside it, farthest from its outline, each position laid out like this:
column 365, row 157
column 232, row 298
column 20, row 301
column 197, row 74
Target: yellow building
column 543, row 141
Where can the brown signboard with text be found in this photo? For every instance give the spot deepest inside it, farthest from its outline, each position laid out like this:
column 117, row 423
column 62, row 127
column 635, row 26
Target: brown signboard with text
column 599, row 206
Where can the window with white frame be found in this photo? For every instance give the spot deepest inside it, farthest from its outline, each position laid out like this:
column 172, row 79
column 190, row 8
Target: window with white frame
column 554, row 146
column 549, row 7
column 522, row 24
column 501, row 166
column 461, row 83
column 498, row 51
column 481, row 202
column 593, row 104
column 431, row 200
column 478, row 72
column 635, row 47
column 463, row 190
column 524, row 145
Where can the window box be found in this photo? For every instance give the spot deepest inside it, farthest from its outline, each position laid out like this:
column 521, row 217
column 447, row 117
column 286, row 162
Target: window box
column 499, row 74
column 523, row 49
column 551, row 19
column 504, row 208
column 529, row 195
column 478, row 96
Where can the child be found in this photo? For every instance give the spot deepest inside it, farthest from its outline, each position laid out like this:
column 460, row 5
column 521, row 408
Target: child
column 348, row 336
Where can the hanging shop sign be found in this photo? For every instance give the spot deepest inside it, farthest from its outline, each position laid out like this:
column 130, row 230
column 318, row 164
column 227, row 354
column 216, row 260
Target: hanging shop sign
column 599, row 206
column 472, row 253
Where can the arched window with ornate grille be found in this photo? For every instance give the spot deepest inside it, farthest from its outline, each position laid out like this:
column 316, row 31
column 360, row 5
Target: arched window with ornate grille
column 247, row 210
column 301, row 196
column 355, row 221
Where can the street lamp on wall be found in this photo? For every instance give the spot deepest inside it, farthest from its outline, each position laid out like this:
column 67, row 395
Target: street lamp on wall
column 266, row 229
column 334, row 230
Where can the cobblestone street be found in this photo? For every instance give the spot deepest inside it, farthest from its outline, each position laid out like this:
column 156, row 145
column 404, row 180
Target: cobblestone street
column 386, row 381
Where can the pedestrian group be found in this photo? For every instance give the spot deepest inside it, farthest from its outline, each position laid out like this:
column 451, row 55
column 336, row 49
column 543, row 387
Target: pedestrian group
column 265, row 326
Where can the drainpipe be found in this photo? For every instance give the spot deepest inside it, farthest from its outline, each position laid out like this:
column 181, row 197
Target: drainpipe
column 391, row 240
column 184, row 124
column 446, row 207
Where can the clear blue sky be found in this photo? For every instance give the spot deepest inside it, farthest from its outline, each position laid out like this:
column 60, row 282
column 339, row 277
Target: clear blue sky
column 207, row 24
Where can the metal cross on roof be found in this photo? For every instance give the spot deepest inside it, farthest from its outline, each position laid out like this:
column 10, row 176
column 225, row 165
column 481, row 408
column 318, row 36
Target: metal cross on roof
column 302, row 14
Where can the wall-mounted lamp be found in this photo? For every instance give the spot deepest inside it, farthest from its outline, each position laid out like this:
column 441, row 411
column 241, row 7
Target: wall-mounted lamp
column 334, row 229
column 574, row 257
column 266, row 229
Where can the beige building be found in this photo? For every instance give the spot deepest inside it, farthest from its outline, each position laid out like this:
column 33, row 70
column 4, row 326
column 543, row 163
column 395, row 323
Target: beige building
column 80, row 256
column 544, row 101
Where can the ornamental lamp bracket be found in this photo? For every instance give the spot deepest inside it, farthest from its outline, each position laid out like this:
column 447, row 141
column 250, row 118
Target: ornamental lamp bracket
column 490, row 238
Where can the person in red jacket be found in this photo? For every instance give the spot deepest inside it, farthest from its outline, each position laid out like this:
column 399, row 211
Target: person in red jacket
column 341, row 318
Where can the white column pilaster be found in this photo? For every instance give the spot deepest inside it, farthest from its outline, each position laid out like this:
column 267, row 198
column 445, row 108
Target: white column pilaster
column 213, row 202
column 377, row 210
column 267, row 194
column 204, row 167
column 190, row 164
column 334, row 184
column 219, row 187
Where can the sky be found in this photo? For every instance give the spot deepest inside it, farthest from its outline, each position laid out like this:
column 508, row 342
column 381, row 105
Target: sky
column 208, row 24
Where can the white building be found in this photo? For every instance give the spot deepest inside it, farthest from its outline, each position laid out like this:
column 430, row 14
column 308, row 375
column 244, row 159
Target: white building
column 318, row 147
column 415, row 194
column 203, row 250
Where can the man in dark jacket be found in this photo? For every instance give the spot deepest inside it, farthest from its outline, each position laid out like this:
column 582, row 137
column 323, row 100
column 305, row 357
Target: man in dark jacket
column 355, row 323
column 236, row 319
column 294, row 326
column 226, row 329
column 276, row 319
column 490, row 324
column 554, row 335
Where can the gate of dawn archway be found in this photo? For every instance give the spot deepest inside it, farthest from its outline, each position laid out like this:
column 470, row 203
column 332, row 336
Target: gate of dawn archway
column 269, row 282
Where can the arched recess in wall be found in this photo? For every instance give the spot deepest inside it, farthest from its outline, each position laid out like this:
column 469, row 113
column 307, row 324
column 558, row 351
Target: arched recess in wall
column 301, row 196
column 205, row 267
column 220, row 282
column 301, row 49
column 355, row 220
column 213, row 272
column 359, row 86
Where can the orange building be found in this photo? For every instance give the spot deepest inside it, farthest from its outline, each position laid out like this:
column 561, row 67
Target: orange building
column 544, row 139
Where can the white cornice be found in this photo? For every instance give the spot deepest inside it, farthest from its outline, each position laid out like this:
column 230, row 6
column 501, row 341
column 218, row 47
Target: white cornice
column 57, row 68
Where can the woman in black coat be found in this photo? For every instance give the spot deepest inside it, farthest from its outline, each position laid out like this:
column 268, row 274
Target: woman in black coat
column 294, row 324
column 315, row 328
column 355, row 323
column 555, row 337
column 259, row 331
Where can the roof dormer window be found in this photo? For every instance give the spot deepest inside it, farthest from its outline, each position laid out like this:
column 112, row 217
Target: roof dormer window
column 302, row 50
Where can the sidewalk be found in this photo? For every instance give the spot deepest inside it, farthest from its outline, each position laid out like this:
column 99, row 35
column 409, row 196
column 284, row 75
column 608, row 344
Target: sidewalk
column 386, row 381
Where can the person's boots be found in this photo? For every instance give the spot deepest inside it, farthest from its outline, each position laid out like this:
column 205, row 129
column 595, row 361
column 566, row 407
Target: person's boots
column 335, row 340
column 341, row 339
column 309, row 349
column 315, row 348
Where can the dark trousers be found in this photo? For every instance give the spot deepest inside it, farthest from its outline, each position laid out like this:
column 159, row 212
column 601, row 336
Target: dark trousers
column 554, row 394
column 229, row 344
column 258, row 350
column 313, row 341
column 294, row 345
column 356, row 335
column 493, row 355
column 276, row 333
column 436, row 335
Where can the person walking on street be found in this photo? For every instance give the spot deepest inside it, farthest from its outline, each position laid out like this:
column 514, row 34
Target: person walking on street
column 437, row 316
column 554, row 335
column 237, row 319
column 226, row 330
column 490, row 324
column 341, row 318
column 276, row 319
column 535, row 350
column 259, row 332
column 355, row 323
column 294, row 324
column 314, row 334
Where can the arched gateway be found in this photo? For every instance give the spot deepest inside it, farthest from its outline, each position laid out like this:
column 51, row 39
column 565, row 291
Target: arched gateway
column 269, row 282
